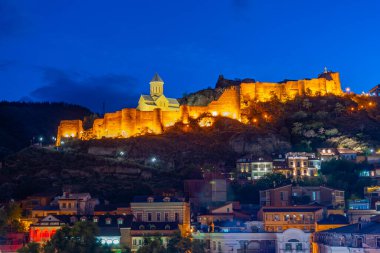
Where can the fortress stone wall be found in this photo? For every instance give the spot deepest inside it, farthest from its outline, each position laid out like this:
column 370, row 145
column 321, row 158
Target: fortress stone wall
column 131, row 121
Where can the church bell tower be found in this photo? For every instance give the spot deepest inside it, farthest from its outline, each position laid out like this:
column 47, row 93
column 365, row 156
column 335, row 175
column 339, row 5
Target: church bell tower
column 156, row 86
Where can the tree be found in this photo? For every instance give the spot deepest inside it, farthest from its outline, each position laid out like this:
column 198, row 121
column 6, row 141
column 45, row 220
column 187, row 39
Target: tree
column 152, row 245
column 31, row 247
column 80, row 238
column 9, row 218
column 272, row 180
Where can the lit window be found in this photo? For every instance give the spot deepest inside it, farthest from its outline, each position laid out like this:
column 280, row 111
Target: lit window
column 108, row 221
column 120, row 221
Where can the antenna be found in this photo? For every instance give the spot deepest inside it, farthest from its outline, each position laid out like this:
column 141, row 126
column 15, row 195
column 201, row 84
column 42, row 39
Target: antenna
column 325, row 70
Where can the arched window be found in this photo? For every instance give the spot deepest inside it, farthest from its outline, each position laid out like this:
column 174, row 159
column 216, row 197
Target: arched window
column 167, row 227
column 141, row 227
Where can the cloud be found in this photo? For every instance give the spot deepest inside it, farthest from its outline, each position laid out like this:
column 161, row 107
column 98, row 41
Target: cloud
column 115, row 91
column 10, row 20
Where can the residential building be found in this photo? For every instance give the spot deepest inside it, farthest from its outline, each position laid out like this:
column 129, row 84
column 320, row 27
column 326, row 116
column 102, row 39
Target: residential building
column 158, row 215
column 359, row 204
column 36, row 200
column 327, row 154
column 290, row 240
column 67, row 204
column 360, row 237
column 111, row 228
column 229, row 211
column 295, row 195
column 278, row 219
column 142, row 231
column 12, row 242
column 252, row 169
column 303, row 164
column 200, row 192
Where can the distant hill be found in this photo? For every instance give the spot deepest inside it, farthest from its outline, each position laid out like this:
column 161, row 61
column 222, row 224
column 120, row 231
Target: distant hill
column 20, row 122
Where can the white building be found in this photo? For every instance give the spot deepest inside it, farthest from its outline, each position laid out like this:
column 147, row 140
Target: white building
column 289, row 241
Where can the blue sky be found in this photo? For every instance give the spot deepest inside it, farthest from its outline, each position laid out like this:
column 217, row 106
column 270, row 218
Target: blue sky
column 89, row 51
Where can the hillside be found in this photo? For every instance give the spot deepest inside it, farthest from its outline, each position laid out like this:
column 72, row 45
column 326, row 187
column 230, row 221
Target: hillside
column 116, row 169
column 21, row 122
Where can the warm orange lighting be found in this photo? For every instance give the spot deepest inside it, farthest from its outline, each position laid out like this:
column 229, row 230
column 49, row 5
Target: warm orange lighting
column 255, row 120
column 214, row 113
column 370, row 103
column 348, row 89
column 352, row 108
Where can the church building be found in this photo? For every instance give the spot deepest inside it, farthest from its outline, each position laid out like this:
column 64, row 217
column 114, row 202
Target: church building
column 157, row 99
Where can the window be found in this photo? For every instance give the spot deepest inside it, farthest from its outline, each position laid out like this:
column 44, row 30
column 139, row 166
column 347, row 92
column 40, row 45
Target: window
column 276, row 217
column 176, row 216
column 219, row 246
column 377, row 242
column 299, row 246
column 359, row 242
column 167, row 227
column 63, row 205
column 83, row 219
column 288, row 246
column 158, row 217
column 120, row 221
column 134, row 242
column 95, row 219
column 149, row 216
column 69, row 205
column 139, row 217
column 141, row 227
column 283, row 196
column 108, row 221
column 166, row 216
column 214, row 245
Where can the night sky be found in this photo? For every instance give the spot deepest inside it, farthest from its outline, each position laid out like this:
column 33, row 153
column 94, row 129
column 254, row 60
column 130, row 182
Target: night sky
column 89, row 52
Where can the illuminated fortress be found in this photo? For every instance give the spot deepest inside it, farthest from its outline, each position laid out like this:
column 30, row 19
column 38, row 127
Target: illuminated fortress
column 155, row 112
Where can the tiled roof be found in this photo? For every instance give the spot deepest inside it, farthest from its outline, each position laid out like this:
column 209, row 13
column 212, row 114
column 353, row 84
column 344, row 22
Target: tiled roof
column 46, row 208
column 173, row 101
column 334, row 219
column 154, row 226
column 291, row 209
column 148, row 98
column 141, row 199
column 359, row 228
column 101, row 219
column 156, row 78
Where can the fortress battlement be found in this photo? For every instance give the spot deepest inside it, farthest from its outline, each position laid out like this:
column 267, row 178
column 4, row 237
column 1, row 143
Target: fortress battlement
column 155, row 112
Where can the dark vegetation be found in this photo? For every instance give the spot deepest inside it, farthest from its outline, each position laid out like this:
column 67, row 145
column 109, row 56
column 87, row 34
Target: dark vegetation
column 21, row 122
